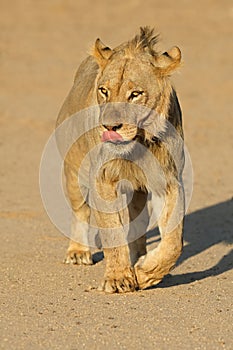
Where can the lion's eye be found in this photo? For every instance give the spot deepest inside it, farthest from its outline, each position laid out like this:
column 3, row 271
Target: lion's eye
column 103, row 91
column 135, row 94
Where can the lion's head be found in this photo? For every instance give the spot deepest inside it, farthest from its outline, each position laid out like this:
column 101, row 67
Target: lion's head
column 133, row 74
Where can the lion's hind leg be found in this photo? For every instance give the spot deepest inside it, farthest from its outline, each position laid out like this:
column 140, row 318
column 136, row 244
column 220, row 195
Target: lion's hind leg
column 78, row 254
column 78, row 251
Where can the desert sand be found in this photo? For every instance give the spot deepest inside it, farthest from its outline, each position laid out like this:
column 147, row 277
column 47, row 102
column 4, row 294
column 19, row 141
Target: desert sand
column 46, row 304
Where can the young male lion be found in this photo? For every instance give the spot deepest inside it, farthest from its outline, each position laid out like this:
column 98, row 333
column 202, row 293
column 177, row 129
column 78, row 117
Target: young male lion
column 138, row 118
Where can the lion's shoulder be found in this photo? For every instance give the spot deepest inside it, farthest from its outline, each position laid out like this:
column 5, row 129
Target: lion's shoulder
column 80, row 96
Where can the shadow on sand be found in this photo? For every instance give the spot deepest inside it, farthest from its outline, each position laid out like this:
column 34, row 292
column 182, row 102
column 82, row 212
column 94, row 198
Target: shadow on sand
column 204, row 229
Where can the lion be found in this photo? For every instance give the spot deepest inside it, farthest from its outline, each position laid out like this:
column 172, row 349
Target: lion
column 135, row 74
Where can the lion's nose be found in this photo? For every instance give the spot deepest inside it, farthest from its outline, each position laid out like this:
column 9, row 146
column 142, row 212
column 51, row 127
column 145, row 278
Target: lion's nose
column 113, row 128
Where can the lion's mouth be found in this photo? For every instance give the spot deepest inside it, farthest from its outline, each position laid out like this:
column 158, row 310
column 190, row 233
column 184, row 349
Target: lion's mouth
column 111, row 136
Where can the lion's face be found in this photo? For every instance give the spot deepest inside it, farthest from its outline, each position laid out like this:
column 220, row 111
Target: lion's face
column 127, row 82
column 131, row 78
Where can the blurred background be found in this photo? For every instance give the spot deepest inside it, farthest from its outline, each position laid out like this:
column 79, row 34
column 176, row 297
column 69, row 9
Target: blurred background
column 41, row 45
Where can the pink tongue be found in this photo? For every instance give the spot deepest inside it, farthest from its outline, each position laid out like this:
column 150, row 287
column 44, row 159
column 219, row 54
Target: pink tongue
column 111, row 136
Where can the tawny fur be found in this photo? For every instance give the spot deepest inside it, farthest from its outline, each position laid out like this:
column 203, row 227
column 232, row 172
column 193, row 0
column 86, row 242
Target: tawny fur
column 120, row 71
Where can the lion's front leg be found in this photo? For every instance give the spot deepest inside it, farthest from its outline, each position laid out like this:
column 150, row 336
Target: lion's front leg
column 119, row 274
column 119, row 254
column 152, row 267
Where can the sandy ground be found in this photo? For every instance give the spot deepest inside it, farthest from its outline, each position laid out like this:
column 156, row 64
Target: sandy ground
column 48, row 305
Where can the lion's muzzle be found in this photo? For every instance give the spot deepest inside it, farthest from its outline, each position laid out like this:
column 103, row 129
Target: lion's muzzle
column 112, row 136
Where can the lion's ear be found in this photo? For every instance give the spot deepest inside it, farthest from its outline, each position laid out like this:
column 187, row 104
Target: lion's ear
column 169, row 61
column 101, row 52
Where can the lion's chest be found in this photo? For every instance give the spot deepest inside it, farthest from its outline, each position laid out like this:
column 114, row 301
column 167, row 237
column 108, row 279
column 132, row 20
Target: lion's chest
column 117, row 170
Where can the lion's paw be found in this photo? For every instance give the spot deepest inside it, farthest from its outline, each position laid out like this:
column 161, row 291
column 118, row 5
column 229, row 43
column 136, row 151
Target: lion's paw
column 78, row 258
column 150, row 271
column 119, row 282
column 147, row 279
